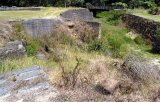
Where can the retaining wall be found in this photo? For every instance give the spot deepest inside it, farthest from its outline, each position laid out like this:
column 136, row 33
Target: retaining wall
column 19, row 8
column 146, row 27
column 84, row 15
column 38, row 27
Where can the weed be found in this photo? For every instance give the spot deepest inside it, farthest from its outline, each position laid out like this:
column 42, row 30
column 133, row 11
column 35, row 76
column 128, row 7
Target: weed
column 17, row 31
column 139, row 40
column 31, row 50
column 97, row 45
column 115, row 16
column 70, row 78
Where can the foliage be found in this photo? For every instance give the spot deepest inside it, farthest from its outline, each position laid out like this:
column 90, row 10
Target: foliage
column 31, row 50
column 31, row 45
column 154, row 10
column 139, row 40
column 70, row 78
column 4, row 66
column 115, row 16
column 97, row 45
column 82, row 3
column 120, row 4
column 17, row 31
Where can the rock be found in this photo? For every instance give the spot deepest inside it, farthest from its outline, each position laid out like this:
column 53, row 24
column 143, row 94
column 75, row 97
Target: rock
column 13, row 49
column 110, row 84
column 42, row 56
column 28, row 84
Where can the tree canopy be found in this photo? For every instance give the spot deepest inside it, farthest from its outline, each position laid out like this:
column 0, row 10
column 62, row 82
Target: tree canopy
column 81, row 3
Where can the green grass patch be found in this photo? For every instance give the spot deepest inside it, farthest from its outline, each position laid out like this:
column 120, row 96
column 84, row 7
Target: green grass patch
column 46, row 12
column 144, row 13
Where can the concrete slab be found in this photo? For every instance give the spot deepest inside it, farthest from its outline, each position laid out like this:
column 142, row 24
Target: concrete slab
column 27, row 80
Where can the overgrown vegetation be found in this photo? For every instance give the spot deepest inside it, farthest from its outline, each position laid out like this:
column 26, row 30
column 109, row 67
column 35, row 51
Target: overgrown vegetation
column 82, row 3
column 139, row 40
column 87, row 64
column 115, row 16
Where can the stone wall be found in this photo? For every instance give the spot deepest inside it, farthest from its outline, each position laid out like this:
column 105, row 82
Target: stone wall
column 146, row 27
column 19, row 8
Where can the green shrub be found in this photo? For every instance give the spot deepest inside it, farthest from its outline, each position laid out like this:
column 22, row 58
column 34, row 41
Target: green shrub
column 139, row 40
column 31, row 50
column 97, row 45
column 120, row 4
column 117, row 45
column 114, row 43
column 115, row 16
column 154, row 10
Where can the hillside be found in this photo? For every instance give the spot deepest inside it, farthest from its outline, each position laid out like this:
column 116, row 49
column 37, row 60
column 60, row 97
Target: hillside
column 118, row 67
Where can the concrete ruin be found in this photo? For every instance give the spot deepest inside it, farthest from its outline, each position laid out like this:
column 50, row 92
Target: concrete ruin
column 39, row 27
column 13, row 49
column 14, row 8
column 82, row 15
column 27, row 80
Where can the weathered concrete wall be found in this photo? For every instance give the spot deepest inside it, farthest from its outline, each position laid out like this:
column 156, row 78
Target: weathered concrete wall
column 38, row 27
column 19, row 8
column 13, row 49
column 27, row 80
column 146, row 27
column 84, row 15
column 81, row 14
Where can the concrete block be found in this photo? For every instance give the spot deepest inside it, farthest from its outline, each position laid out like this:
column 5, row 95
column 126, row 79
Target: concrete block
column 27, row 80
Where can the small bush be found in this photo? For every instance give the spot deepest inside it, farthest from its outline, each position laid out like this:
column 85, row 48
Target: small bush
column 120, row 4
column 70, row 78
column 97, row 45
column 114, row 42
column 115, row 16
column 31, row 50
column 154, row 10
column 139, row 40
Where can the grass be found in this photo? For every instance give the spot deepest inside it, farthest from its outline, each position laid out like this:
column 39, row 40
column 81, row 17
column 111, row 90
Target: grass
column 144, row 13
column 101, row 63
column 47, row 12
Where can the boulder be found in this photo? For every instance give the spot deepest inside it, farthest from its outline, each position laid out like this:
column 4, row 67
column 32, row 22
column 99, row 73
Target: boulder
column 13, row 49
